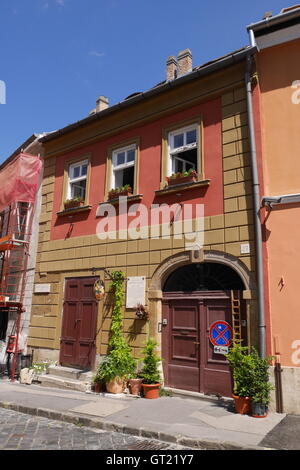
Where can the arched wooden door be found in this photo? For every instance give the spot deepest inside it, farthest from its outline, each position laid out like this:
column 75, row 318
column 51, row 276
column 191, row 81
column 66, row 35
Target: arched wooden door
column 190, row 361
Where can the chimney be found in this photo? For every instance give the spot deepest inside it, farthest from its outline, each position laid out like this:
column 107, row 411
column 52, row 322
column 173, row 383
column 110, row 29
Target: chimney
column 101, row 103
column 171, row 68
column 185, row 64
column 267, row 15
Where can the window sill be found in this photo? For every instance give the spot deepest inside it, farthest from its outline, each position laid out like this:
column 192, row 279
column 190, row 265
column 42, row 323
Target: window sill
column 74, row 210
column 115, row 201
column 182, row 187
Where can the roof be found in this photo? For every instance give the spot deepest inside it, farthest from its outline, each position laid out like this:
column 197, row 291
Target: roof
column 287, row 15
column 23, row 146
column 200, row 71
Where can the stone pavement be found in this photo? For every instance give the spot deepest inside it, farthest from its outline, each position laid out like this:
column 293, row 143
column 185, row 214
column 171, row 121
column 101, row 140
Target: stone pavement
column 188, row 422
column 19, row 431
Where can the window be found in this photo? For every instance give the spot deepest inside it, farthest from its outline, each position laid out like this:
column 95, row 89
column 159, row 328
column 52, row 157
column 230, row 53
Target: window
column 183, row 150
column 77, row 184
column 123, row 165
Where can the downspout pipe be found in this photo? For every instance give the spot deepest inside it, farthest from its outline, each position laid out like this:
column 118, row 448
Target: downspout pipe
column 257, row 207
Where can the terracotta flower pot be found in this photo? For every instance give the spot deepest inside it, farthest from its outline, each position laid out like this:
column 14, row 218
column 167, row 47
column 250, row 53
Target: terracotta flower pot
column 135, row 386
column 115, row 386
column 98, row 388
column 242, row 404
column 151, row 391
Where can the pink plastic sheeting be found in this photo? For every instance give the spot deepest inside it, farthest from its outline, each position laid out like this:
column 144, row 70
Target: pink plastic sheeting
column 19, row 180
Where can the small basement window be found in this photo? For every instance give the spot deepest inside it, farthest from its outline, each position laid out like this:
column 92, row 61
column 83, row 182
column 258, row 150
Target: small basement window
column 183, row 150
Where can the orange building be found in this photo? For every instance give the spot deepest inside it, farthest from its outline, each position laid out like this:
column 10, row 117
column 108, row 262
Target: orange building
column 278, row 41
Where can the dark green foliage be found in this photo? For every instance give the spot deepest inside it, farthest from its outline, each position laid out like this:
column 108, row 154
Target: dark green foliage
column 150, row 372
column 261, row 386
column 250, row 373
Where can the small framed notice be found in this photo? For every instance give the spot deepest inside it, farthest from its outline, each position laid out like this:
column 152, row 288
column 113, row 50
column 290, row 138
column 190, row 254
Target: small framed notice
column 135, row 292
column 42, row 288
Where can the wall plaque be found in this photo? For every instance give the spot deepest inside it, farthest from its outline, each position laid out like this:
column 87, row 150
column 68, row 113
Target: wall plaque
column 135, row 292
column 42, row 288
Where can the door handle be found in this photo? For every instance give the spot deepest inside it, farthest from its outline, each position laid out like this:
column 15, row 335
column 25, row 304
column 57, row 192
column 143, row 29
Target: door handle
column 196, row 342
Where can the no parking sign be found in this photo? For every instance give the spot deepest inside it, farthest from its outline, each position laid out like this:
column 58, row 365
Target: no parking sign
column 220, row 335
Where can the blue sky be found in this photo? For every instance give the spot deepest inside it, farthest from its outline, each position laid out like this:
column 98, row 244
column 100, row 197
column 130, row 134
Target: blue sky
column 58, row 56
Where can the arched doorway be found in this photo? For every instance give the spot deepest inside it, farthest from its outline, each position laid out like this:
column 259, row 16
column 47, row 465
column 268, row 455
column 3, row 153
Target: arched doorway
column 194, row 297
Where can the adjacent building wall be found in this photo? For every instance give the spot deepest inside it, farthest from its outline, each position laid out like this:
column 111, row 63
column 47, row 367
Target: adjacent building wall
column 33, row 148
column 279, row 69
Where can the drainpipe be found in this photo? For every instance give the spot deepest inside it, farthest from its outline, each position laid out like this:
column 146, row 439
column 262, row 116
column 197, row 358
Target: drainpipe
column 257, row 206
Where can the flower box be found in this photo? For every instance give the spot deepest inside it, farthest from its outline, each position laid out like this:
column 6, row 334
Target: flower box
column 179, row 178
column 71, row 203
column 115, row 193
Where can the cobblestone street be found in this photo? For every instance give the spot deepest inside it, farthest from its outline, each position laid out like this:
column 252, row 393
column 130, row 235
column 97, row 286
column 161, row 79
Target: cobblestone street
column 19, row 431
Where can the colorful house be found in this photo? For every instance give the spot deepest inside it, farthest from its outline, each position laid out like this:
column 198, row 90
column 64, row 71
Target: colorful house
column 194, row 125
column 278, row 41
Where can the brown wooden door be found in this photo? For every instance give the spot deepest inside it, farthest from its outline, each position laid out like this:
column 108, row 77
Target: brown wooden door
column 78, row 338
column 190, row 362
column 181, row 339
column 215, row 372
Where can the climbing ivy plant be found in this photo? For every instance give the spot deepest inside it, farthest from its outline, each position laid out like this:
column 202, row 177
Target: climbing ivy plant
column 119, row 362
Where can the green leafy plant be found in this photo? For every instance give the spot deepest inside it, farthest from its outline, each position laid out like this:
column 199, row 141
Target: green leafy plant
column 150, row 372
column 165, row 393
column 115, row 192
column 182, row 174
column 119, row 362
column 40, row 367
column 250, row 373
column 261, row 387
column 74, row 199
column 242, row 366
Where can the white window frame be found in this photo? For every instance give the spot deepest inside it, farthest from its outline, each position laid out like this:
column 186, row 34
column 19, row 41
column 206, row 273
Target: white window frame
column 174, row 151
column 77, row 179
column 123, row 166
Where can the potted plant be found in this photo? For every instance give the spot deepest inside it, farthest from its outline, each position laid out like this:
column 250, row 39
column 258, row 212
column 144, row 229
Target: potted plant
column 119, row 362
column 182, row 177
column 242, row 367
column 261, row 387
column 125, row 190
column 135, row 384
column 98, row 383
column 74, row 202
column 150, row 372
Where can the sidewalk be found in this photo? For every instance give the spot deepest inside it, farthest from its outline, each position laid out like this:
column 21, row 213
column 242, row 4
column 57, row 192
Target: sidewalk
column 190, row 422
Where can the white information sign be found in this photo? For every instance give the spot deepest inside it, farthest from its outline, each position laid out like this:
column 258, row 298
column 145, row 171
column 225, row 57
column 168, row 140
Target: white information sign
column 42, row 288
column 135, row 293
column 221, row 349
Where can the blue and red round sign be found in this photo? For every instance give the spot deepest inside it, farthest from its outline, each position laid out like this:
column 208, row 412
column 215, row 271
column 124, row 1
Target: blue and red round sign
column 220, row 333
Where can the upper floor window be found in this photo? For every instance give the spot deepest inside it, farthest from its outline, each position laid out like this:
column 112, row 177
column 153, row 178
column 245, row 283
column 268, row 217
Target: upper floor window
column 123, row 163
column 183, row 150
column 78, row 180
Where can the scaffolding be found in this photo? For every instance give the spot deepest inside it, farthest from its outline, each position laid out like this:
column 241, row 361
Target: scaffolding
column 19, row 182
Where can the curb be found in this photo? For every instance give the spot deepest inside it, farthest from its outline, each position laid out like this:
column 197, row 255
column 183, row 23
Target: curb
column 196, row 444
